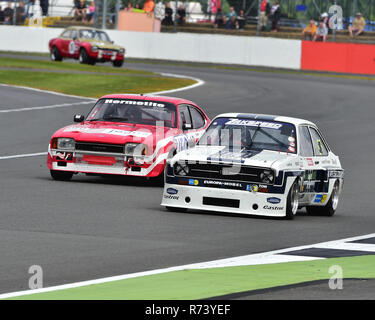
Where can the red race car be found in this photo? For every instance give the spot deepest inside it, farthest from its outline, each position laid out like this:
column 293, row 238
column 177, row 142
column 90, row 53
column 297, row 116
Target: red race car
column 126, row 135
column 89, row 45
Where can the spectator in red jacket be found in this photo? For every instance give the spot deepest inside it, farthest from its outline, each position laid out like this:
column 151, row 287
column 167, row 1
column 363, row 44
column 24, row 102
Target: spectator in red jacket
column 265, row 10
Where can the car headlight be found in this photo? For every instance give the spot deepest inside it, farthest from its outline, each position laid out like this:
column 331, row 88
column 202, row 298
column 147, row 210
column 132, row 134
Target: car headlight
column 267, row 176
column 66, row 143
column 181, row 169
column 94, row 49
column 135, row 149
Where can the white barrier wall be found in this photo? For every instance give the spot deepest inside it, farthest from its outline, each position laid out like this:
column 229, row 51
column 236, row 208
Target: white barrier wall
column 255, row 51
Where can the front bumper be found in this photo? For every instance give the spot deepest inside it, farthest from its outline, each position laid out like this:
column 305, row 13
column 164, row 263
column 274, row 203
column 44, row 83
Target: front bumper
column 225, row 200
column 81, row 162
column 107, row 55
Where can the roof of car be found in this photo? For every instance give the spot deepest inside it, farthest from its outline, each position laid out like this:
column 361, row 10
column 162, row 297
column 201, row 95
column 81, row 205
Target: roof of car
column 265, row 117
column 83, row 27
column 173, row 100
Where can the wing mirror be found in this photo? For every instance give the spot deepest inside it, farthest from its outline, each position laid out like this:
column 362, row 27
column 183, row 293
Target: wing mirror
column 79, row 118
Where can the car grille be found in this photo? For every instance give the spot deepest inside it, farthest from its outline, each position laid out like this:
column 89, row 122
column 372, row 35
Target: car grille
column 223, row 172
column 100, row 147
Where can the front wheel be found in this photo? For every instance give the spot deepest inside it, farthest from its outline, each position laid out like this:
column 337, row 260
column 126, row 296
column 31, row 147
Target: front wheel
column 61, row 175
column 330, row 208
column 84, row 57
column 118, row 63
column 292, row 201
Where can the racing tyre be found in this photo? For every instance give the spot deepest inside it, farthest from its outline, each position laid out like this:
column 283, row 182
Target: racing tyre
column 173, row 209
column 61, row 175
column 330, row 208
column 292, row 201
column 85, row 58
column 118, row 63
column 55, row 54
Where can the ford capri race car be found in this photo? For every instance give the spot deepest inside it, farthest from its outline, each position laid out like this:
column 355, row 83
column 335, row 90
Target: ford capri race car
column 86, row 44
column 258, row 165
column 126, row 135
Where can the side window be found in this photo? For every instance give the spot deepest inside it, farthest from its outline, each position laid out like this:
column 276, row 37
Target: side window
column 65, row 34
column 74, row 34
column 184, row 115
column 305, row 144
column 197, row 118
column 319, row 148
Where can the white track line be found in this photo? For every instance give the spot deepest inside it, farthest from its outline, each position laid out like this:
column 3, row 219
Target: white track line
column 26, row 155
column 54, row 106
column 252, row 259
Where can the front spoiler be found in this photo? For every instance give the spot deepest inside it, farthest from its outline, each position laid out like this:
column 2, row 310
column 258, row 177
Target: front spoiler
column 250, row 203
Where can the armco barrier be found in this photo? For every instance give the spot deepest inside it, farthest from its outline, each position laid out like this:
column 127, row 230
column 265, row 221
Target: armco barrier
column 278, row 53
column 338, row 57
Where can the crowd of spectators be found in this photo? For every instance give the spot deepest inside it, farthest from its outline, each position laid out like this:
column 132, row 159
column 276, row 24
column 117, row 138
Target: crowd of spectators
column 230, row 20
column 319, row 31
column 84, row 12
column 16, row 12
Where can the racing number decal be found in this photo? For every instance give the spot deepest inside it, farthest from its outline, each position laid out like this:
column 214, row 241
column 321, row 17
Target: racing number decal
column 72, row 47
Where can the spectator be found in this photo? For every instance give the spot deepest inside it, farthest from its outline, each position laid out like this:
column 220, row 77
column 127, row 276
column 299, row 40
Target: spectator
column 90, row 15
column 358, row 26
column 8, row 14
column 137, row 6
column 309, row 32
column 231, row 19
column 129, row 7
column 241, row 20
column 80, row 10
column 181, row 15
column 219, row 19
column 20, row 13
column 325, row 18
column 168, row 16
column 321, row 32
column 275, row 14
column 149, row 6
column 1, row 16
column 30, row 3
column 265, row 10
column 44, row 4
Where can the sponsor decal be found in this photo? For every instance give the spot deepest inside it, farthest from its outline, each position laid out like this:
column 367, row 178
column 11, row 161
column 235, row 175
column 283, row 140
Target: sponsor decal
column 291, row 140
column 67, row 156
column 223, row 183
column 320, row 198
column 310, row 162
column 274, row 200
column 193, row 182
column 276, row 208
column 172, row 191
column 171, row 197
column 291, row 149
column 181, row 142
column 252, row 188
column 137, row 103
column 254, row 123
column 336, row 174
column 116, row 132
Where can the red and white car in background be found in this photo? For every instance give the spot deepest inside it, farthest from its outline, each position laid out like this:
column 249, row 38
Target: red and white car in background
column 126, row 135
column 88, row 45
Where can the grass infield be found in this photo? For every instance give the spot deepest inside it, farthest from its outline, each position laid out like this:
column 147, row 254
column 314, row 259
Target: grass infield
column 205, row 283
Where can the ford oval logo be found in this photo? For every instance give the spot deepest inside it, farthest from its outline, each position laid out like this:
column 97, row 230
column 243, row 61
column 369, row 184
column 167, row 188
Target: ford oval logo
column 172, row 191
column 273, row 200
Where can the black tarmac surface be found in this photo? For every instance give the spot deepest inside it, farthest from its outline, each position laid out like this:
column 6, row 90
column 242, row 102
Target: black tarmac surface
column 93, row 227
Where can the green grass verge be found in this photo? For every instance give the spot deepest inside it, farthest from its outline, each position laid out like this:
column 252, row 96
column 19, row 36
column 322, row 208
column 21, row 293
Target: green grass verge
column 89, row 85
column 64, row 66
column 204, row 283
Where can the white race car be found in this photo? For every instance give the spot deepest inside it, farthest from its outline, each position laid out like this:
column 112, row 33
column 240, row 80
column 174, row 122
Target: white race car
column 258, row 165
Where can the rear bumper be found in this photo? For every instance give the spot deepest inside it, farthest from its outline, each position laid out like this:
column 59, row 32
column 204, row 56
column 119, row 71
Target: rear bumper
column 225, row 200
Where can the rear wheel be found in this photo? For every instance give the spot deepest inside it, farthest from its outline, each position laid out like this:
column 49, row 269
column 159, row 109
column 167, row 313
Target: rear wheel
column 55, row 54
column 292, row 201
column 61, row 175
column 330, row 208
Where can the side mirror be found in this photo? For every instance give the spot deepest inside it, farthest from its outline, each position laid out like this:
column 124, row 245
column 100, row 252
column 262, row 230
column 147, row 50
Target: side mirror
column 79, row 118
column 187, row 126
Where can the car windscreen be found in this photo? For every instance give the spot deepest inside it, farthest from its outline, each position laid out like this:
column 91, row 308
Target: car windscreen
column 93, row 34
column 155, row 113
column 251, row 134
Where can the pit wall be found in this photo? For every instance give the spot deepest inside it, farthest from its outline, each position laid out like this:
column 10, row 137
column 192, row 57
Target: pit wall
column 238, row 50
